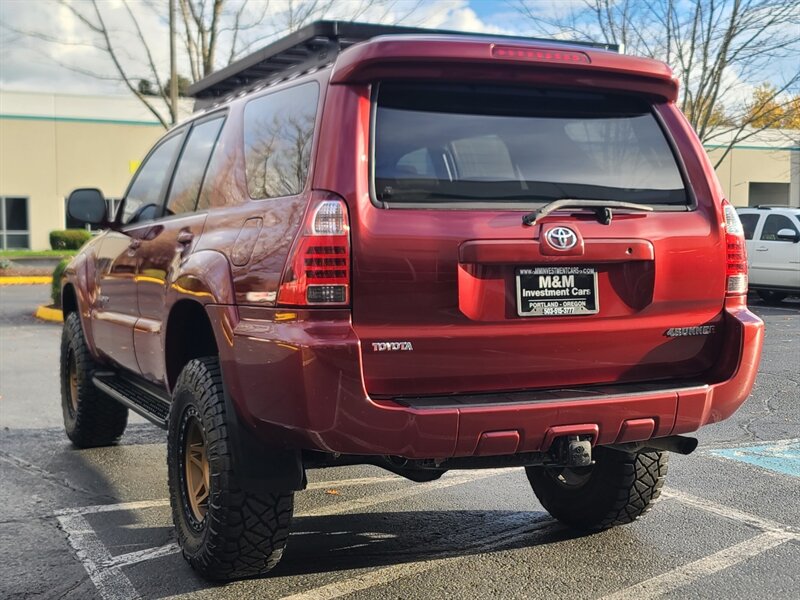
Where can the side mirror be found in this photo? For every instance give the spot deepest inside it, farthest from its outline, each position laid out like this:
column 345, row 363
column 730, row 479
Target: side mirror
column 787, row 235
column 87, row 205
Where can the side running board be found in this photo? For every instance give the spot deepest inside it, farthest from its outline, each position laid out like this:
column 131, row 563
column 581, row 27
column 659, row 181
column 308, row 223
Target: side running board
column 141, row 398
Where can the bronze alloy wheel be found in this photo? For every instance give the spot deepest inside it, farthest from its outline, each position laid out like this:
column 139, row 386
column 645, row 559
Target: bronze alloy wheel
column 72, row 376
column 196, row 467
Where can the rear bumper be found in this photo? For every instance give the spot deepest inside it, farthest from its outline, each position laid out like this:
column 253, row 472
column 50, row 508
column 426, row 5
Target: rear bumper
column 296, row 379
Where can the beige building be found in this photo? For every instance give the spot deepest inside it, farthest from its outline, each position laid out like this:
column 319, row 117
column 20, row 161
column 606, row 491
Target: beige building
column 764, row 168
column 51, row 144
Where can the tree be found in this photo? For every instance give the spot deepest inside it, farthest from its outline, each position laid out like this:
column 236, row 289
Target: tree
column 183, row 86
column 145, row 88
column 766, row 110
column 792, row 118
column 717, row 48
column 212, row 33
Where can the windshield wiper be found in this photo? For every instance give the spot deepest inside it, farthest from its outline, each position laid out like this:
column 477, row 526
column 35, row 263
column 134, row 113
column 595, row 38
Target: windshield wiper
column 602, row 208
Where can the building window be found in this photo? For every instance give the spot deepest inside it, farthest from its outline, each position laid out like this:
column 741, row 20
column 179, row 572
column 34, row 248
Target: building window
column 14, row 231
column 768, row 194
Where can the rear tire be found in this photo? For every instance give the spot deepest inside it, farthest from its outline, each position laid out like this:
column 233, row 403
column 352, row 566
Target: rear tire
column 91, row 418
column 771, row 297
column 616, row 490
column 225, row 532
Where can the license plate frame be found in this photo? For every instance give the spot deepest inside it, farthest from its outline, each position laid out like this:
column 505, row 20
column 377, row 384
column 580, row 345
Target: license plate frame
column 550, row 291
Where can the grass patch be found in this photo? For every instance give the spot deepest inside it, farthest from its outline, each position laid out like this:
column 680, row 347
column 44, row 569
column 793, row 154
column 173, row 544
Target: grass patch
column 37, row 253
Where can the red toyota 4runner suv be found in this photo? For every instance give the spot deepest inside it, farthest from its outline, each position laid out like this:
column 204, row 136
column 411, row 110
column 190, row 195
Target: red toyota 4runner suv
column 420, row 251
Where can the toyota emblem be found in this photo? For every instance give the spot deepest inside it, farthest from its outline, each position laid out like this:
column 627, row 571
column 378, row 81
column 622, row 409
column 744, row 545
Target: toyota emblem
column 562, row 238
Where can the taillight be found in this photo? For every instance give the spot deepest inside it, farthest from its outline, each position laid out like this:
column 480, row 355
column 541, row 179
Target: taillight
column 318, row 268
column 736, row 258
column 540, row 54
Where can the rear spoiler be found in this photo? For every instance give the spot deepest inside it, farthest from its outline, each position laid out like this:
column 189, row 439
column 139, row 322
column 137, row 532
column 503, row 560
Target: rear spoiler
column 463, row 58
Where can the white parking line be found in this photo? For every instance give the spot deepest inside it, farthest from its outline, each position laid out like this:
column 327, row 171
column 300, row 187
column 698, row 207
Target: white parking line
column 131, row 558
column 731, row 513
column 685, row 574
column 105, row 570
column 774, row 534
column 337, row 483
column 111, row 582
column 101, row 508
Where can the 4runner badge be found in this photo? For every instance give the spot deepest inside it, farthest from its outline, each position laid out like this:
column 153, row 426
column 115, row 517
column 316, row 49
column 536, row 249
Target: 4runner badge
column 392, row 346
column 685, row 331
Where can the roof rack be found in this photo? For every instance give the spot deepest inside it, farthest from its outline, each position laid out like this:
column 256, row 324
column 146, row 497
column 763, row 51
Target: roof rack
column 314, row 46
column 771, row 206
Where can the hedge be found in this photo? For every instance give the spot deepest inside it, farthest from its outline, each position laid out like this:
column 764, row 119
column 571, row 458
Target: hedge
column 69, row 239
column 55, row 287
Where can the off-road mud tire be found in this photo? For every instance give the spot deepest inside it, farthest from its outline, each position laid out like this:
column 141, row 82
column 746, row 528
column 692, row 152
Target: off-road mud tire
column 616, row 490
column 242, row 534
column 91, row 418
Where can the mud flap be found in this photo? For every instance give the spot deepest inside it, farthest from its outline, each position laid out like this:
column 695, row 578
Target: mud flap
column 260, row 467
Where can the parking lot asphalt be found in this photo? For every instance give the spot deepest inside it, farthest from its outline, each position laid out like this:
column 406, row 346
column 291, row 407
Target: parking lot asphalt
column 95, row 523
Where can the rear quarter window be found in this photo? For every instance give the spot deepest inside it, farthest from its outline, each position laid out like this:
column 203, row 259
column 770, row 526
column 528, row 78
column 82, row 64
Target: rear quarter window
column 278, row 133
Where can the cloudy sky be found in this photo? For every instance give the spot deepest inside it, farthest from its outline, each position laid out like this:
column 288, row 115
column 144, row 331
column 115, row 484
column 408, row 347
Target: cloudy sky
column 62, row 55
column 28, row 63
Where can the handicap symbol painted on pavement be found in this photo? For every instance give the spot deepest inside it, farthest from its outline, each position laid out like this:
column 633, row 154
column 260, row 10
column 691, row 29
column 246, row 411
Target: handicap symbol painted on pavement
column 781, row 456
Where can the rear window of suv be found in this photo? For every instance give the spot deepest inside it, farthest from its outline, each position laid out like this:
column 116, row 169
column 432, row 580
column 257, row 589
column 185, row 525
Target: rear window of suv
column 491, row 144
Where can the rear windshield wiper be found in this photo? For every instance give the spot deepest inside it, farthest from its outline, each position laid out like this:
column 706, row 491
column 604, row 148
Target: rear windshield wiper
column 602, row 208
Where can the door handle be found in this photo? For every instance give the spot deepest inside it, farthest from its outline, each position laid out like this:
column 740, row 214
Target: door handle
column 153, row 232
column 762, row 249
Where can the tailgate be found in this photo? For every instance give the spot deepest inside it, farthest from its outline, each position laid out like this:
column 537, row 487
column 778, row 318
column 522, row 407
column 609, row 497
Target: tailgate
column 452, row 293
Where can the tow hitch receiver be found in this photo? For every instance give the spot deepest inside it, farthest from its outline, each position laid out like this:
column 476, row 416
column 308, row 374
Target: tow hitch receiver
column 572, row 451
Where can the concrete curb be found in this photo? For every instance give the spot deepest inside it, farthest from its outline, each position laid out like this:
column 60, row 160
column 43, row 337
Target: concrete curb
column 26, row 280
column 45, row 313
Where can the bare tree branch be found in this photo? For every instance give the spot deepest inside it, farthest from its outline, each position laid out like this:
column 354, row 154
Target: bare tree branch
column 213, row 33
column 713, row 46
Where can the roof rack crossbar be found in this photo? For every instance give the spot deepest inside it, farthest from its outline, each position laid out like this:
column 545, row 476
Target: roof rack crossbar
column 314, row 46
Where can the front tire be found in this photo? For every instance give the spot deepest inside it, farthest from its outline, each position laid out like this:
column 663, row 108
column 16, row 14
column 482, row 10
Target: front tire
column 616, row 490
column 91, row 418
column 224, row 532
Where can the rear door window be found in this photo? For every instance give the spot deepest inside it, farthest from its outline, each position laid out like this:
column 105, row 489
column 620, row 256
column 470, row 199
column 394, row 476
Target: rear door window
column 192, row 167
column 479, row 143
